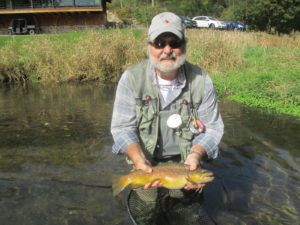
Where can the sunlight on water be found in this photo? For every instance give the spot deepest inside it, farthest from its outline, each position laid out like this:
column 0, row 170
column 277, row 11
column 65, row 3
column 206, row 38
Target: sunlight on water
column 56, row 161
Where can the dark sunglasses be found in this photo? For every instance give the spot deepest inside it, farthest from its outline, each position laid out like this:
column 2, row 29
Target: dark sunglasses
column 160, row 44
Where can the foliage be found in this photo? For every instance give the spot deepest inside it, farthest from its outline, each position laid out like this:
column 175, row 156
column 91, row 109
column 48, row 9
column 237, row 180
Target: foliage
column 269, row 14
column 280, row 16
column 191, row 8
column 55, row 58
column 251, row 67
column 271, row 79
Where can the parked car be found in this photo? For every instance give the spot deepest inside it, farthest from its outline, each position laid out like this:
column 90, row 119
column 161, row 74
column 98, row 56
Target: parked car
column 189, row 23
column 234, row 25
column 209, row 22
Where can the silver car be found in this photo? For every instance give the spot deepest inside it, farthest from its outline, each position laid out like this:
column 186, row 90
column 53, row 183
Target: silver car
column 209, row 22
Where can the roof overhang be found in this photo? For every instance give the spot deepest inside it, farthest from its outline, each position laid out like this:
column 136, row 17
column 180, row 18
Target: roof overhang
column 56, row 10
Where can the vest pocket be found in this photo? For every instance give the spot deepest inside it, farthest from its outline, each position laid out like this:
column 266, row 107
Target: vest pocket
column 186, row 134
column 146, row 119
column 185, row 120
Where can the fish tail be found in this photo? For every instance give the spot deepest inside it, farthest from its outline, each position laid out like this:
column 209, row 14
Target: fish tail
column 118, row 184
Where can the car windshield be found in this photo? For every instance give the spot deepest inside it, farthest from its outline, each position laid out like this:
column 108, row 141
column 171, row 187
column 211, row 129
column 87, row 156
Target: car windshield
column 211, row 18
column 185, row 17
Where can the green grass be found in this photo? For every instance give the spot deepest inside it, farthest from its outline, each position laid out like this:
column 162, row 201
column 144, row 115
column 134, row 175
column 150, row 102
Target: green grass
column 269, row 78
column 67, row 37
column 252, row 68
column 19, row 39
column 76, row 56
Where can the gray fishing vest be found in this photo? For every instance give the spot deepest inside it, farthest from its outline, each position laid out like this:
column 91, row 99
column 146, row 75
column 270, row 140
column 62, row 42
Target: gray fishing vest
column 148, row 106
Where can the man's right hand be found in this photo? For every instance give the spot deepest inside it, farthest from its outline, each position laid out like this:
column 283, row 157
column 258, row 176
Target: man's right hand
column 146, row 166
column 143, row 164
column 135, row 153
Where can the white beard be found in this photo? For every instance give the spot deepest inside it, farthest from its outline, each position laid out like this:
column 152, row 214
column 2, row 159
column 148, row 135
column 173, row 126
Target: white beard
column 170, row 66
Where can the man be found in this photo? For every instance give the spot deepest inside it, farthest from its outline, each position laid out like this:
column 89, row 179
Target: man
column 166, row 110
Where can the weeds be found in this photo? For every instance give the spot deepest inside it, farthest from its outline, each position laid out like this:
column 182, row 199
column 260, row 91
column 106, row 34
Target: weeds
column 254, row 68
column 92, row 56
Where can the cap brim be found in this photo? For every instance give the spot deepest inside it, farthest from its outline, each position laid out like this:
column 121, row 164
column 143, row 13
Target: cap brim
column 156, row 33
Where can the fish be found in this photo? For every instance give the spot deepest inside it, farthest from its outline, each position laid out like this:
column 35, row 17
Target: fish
column 171, row 176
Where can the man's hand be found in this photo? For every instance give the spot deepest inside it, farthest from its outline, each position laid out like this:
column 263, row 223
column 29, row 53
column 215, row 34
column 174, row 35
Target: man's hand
column 193, row 160
column 135, row 153
column 145, row 165
column 156, row 183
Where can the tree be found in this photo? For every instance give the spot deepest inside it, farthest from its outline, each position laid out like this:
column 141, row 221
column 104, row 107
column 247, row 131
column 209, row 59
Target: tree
column 269, row 15
column 280, row 16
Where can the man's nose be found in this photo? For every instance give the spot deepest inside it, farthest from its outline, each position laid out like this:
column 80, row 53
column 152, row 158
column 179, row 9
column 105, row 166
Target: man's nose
column 168, row 49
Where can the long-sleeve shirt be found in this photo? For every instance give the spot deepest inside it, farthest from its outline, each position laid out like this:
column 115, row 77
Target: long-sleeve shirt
column 124, row 126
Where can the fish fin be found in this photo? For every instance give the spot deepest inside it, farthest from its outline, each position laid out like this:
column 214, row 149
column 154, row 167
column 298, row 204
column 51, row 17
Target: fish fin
column 189, row 181
column 118, row 184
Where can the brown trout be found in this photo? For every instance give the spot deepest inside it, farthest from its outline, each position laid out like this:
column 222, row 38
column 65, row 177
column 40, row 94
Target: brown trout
column 171, row 175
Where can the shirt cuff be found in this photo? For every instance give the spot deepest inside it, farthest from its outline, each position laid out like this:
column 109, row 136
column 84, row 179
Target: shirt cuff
column 209, row 145
column 122, row 142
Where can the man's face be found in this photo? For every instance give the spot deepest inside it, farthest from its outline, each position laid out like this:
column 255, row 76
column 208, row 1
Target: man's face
column 167, row 52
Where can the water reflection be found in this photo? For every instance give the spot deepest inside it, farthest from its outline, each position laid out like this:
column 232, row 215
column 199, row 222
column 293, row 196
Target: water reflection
column 56, row 161
column 258, row 169
column 51, row 134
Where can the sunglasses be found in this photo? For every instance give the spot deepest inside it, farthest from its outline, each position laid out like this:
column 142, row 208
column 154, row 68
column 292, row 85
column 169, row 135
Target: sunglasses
column 160, row 43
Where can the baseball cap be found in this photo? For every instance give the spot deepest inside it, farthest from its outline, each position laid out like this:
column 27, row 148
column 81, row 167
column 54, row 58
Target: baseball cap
column 166, row 22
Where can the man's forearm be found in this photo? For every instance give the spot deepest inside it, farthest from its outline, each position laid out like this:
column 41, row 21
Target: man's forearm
column 199, row 150
column 135, row 153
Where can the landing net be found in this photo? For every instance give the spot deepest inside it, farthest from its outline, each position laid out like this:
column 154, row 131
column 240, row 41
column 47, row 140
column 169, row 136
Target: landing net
column 167, row 210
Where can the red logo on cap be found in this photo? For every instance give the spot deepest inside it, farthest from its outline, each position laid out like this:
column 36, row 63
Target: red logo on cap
column 166, row 21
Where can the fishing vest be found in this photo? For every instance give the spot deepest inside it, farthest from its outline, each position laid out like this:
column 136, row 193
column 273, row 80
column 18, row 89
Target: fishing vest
column 148, row 106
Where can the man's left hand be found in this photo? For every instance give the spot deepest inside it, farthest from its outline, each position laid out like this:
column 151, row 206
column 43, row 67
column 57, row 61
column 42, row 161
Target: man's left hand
column 193, row 160
column 193, row 186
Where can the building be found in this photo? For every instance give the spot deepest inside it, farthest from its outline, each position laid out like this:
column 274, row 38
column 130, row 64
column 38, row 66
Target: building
column 51, row 16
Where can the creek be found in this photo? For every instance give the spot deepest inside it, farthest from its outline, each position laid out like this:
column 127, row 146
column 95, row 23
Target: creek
column 56, row 161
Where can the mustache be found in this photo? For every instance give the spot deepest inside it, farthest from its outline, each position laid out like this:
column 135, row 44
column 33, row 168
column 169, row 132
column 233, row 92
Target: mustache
column 172, row 55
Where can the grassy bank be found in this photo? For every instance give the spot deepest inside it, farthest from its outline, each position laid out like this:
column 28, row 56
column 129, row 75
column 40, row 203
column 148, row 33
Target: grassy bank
column 78, row 56
column 253, row 68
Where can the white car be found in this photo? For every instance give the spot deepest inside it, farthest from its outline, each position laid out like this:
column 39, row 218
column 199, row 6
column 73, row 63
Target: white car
column 209, row 22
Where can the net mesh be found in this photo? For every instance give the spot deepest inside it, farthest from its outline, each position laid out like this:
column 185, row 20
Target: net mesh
column 166, row 210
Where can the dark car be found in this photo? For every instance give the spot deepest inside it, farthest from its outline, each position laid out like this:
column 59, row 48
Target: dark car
column 189, row 23
column 234, row 25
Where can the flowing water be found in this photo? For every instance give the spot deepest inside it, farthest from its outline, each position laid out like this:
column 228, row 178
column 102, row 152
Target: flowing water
column 56, row 161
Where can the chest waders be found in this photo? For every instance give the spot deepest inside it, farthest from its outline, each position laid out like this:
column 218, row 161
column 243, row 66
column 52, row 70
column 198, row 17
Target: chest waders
column 156, row 206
